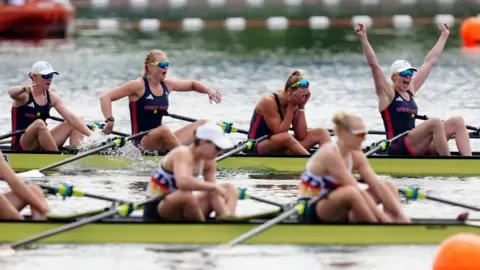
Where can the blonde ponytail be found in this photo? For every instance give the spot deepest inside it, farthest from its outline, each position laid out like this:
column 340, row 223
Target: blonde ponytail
column 340, row 119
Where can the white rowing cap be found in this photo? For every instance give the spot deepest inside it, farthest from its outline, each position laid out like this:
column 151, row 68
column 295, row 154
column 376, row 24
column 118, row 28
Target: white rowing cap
column 401, row 65
column 42, row 67
column 214, row 133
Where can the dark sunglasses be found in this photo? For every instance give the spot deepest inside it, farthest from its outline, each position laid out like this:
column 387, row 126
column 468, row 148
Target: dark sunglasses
column 46, row 76
column 163, row 64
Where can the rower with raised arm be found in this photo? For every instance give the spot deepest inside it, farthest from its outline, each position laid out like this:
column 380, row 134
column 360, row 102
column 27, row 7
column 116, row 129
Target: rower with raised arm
column 31, row 108
column 398, row 108
column 275, row 113
column 148, row 98
column 20, row 195
column 178, row 175
column 328, row 174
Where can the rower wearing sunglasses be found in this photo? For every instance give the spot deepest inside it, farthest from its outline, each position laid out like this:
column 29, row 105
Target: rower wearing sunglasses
column 398, row 108
column 275, row 113
column 148, row 98
column 328, row 175
column 31, row 108
column 179, row 175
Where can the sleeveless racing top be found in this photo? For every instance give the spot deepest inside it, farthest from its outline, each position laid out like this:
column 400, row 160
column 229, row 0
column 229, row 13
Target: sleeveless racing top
column 312, row 185
column 23, row 116
column 147, row 112
column 258, row 125
column 399, row 116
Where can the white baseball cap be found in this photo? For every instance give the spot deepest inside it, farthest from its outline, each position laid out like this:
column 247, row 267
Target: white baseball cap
column 214, row 133
column 42, row 67
column 401, row 65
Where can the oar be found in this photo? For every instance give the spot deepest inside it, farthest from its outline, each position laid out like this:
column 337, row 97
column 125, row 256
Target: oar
column 382, row 145
column 69, row 191
column 242, row 195
column 11, row 134
column 414, row 193
column 116, row 142
column 90, row 126
column 123, row 210
column 228, row 127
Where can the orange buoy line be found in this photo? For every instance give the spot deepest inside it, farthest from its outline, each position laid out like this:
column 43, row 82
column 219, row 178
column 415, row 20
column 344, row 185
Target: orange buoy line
column 470, row 32
column 458, row 252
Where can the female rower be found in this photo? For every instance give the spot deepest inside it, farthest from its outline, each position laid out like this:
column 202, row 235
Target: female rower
column 12, row 202
column 274, row 114
column 328, row 173
column 178, row 175
column 31, row 108
column 148, row 97
column 397, row 105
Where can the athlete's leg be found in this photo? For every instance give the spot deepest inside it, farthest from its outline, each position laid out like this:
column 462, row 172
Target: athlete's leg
column 212, row 201
column 342, row 201
column 19, row 204
column 186, row 134
column 455, row 126
column 316, row 136
column 64, row 131
column 8, row 210
column 281, row 142
column 180, row 205
column 420, row 138
column 37, row 136
column 159, row 139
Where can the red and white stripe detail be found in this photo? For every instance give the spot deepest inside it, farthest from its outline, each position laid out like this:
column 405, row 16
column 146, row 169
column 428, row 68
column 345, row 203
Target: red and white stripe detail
column 250, row 3
column 273, row 23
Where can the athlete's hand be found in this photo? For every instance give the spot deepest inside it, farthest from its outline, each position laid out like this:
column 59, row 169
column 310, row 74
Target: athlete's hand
column 305, row 97
column 360, row 30
column 445, row 29
column 108, row 128
column 220, row 190
column 296, row 98
column 215, row 96
column 29, row 87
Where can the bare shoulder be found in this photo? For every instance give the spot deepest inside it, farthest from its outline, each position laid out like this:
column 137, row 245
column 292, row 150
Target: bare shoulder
column 266, row 101
column 359, row 159
column 326, row 151
column 177, row 155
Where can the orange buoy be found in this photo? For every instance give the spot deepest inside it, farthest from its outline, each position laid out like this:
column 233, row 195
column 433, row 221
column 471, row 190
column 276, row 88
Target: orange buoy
column 458, row 252
column 470, row 32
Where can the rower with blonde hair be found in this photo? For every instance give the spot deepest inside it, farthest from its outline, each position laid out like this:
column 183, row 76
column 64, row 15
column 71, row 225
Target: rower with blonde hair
column 275, row 113
column 148, row 103
column 21, row 195
column 328, row 174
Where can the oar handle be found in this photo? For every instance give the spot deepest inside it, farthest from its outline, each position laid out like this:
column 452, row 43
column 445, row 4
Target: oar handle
column 90, row 126
column 226, row 126
column 11, row 134
column 414, row 193
column 70, row 191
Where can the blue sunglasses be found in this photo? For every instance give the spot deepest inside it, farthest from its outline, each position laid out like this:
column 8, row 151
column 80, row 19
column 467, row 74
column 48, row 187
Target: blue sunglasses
column 163, row 64
column 405, row 73
column 302, row 83
column 46, row 76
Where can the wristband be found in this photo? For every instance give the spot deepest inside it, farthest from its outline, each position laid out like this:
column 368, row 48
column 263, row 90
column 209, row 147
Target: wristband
column 301, row 110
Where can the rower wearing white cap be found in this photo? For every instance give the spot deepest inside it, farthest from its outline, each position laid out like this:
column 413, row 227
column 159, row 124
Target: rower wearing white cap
column 398, row 108
column 178, row 175
column 31, row 108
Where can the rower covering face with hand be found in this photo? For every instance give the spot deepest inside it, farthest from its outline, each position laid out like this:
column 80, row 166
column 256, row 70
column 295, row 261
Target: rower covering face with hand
column 398, row 108
column 179, row 173
column 31, row 108
column 328, row 174
column 275, row 113
column 149, row 101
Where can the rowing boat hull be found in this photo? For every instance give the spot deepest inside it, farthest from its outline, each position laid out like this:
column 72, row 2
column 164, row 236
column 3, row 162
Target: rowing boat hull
column 133, row 230
column 384, row 165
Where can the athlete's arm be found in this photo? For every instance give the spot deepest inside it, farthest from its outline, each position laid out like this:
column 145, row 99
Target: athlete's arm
column 382, row 88
column 336, row 167
column 174, row 84
column 362, row 166
column 183, row 177
column 130, row 88
column 210, row 171
column 20, row 188
column 19, row 94
column 269, row 110
column 430, row 61
column 68, row 115
column 299, row 124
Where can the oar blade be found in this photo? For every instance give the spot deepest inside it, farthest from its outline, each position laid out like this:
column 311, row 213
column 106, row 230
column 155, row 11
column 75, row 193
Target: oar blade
column 31, row 174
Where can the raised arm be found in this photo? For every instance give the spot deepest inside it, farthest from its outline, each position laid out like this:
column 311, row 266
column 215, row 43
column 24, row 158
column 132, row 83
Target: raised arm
column 431, row 59
column 269, row 110
column 382, row 88
column 68, row 115
column 20, row 93
column 192, row 85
